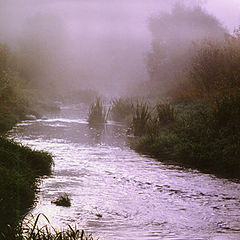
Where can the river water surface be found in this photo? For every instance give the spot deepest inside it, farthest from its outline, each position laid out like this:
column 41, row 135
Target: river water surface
column 119, row 194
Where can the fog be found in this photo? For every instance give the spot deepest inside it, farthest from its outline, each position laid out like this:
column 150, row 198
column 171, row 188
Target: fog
column 100, row 44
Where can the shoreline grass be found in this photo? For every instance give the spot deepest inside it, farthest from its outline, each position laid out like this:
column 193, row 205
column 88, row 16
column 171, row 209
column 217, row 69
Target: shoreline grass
column 97, row 113
column 20, row 169
column 207, row 138
column 28, row 229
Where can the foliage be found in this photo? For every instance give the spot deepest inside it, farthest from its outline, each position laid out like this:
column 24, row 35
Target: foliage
column 140, row 119
column 20, row 167
column 165, row 113
column 121, row 109
column 63, row 200
column 207, row 138
column 97, row 113
column 173, row 35
column 214, row 70
column 28, row 230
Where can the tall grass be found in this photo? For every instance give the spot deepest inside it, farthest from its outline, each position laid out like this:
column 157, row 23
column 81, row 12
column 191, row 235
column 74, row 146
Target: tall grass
column 20, row 169
column 97, row 113
column 165, row 112
column 140, row 119
column 121, row 109
column 28, row 229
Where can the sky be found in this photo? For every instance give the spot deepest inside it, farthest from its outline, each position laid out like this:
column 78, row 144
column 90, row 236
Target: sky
column 106, row 39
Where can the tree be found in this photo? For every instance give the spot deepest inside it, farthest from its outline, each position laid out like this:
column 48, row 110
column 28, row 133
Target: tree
column 173, row 35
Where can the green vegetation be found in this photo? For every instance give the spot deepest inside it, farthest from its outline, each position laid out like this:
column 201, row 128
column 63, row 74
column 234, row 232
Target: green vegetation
column 63, row 200
column 202, row 130
column 28, row 230
column 172, row 48
column 97, row 113
column 121, row 109
column 140, row 119
column 20, row 167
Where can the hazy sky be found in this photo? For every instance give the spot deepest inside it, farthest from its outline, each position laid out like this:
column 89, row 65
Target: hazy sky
column 227, row 11
column 107, row 39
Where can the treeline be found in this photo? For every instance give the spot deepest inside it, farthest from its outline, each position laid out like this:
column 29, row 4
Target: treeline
column 175, row 37
column 197, row 70
column 200, row 126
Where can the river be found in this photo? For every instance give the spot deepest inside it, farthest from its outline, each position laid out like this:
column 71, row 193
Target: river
column 118, row 194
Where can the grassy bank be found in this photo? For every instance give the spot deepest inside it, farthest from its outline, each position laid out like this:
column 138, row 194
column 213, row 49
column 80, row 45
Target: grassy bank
column 20, row 168
column 202, row 136
column 201, row 127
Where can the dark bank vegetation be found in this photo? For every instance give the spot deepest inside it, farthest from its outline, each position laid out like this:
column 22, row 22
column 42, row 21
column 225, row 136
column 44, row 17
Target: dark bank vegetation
column 201, row 126
column 20, row 168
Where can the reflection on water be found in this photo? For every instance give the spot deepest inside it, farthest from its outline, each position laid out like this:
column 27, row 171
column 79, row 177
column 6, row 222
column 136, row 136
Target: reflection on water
column 118, row 194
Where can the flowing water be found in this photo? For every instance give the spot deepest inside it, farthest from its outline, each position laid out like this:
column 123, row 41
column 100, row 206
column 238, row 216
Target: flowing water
column 118, row 194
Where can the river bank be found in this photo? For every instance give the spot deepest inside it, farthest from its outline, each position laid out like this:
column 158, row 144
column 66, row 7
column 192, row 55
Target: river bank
column 20, row 166
column 117, row 193
column 201, row 135
column 20, row 169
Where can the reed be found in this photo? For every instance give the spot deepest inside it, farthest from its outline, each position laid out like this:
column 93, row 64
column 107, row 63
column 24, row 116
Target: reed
column 28, row 229
column 140, row 119
column 97, row 113
column 121, row 109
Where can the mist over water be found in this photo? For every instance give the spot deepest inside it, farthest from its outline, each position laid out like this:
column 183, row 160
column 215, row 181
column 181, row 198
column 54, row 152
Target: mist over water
column 86, row 44
column 119, row 48
column 119, row 194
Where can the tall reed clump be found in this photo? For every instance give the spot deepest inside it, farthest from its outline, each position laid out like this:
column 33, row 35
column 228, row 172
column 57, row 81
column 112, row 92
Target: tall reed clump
column 20, row 169
column 121, row 109
column 165, row 113
column 28, row 229
column 97, row 113
column 140, row 119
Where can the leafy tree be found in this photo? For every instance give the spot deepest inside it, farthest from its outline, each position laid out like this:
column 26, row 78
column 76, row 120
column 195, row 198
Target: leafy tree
column 173, row 35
